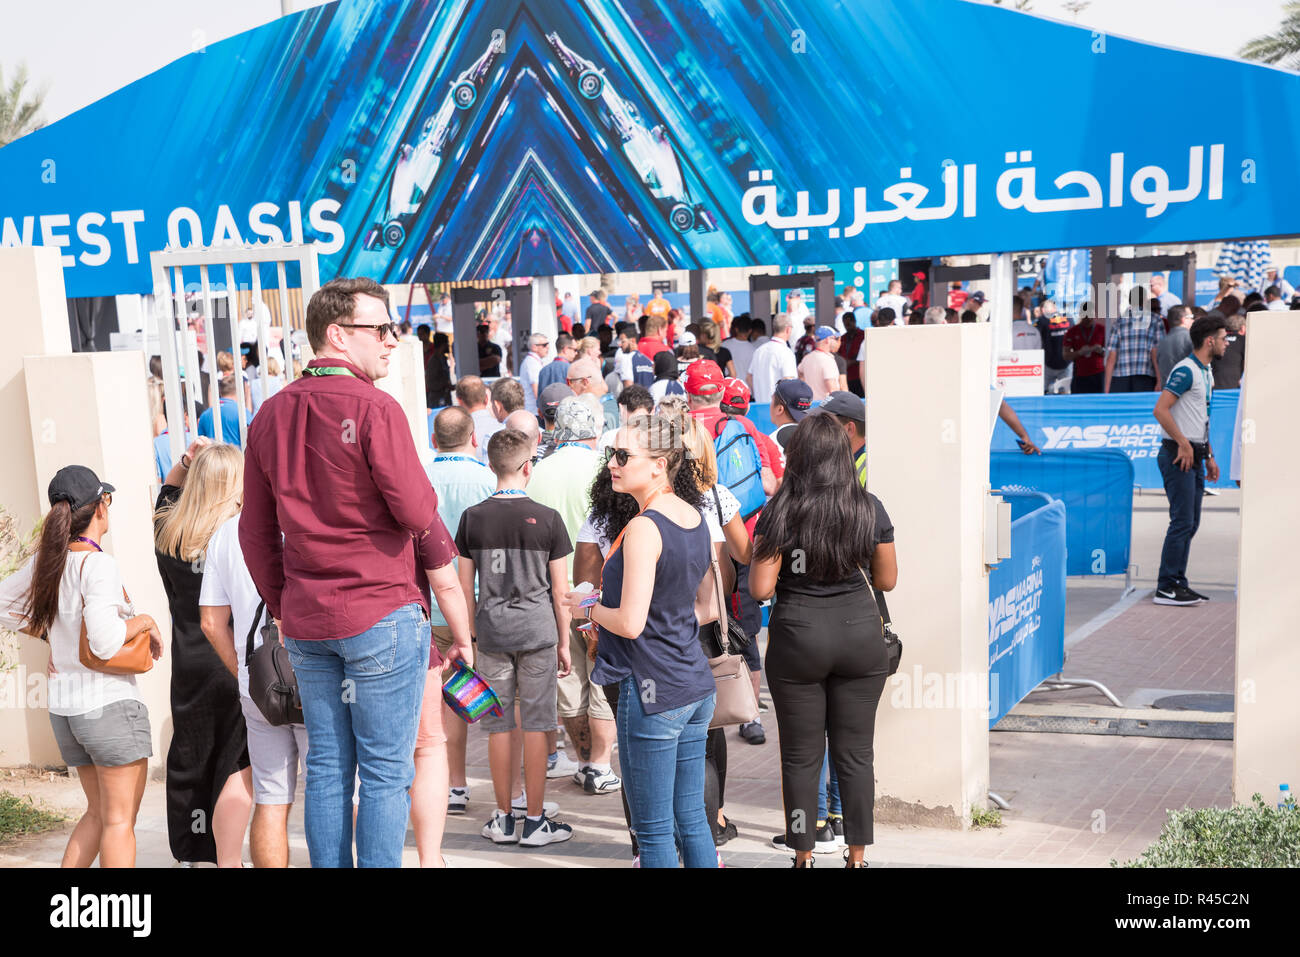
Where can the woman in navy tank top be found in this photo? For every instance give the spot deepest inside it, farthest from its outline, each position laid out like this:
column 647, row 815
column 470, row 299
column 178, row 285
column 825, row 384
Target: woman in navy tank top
column 649, row 645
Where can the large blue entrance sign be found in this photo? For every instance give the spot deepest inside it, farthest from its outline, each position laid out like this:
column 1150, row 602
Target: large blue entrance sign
column 1123, row 422
column 422, row 140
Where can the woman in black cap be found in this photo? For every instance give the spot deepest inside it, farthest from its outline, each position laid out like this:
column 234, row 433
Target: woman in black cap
column 99, row 720
column 209, row 779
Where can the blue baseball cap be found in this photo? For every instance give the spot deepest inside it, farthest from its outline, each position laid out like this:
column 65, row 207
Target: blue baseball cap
column 825, row 332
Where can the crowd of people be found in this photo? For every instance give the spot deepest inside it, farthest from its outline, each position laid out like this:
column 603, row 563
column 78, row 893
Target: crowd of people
column 589, row 556
column 592, row 536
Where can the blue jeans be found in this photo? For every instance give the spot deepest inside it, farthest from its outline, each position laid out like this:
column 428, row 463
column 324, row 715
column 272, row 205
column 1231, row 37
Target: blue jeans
column 662, row 759
column 361, row 701
column 1185, row 491
column 828, row 796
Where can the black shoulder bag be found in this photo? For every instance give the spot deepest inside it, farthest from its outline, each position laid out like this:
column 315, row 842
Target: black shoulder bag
column 271, row 681
column 893, row 644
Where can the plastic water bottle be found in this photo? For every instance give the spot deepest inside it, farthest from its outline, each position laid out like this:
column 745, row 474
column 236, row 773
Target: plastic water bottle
column 1284, row 796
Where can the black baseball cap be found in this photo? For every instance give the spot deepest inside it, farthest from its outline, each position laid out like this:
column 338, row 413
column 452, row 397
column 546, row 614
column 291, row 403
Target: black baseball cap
column 795, row 395
column 78, row 486
column 846, row 404
column 552, row 396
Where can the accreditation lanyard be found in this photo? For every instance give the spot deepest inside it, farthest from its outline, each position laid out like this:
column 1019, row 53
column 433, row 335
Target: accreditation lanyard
column 329, row 370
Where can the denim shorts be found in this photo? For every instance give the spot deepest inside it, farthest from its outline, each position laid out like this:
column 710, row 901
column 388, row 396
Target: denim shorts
column 108, row 737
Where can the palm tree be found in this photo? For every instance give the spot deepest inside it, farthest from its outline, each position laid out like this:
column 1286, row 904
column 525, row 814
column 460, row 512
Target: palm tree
column 1281, row 47
column 20, row 107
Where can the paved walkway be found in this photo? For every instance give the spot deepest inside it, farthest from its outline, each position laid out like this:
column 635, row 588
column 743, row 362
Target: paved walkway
column 1077, row 800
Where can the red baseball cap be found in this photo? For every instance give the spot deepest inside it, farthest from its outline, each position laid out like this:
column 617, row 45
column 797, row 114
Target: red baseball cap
column 735, row 395
column 703, row 377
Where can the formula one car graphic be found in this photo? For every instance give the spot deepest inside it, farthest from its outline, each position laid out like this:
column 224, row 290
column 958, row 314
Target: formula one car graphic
column 651, row 153
column 417, row 165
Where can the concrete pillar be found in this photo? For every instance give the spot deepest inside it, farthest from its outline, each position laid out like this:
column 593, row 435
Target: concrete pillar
column 35, row 322
column 1003, row 280
column 405, row 383
column 928, row 462
column 92, row 409
column 1266, row 740
column 544, row 320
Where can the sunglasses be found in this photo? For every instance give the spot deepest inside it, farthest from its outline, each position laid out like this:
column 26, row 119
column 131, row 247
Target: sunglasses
column 382, row 331
column 622, row 455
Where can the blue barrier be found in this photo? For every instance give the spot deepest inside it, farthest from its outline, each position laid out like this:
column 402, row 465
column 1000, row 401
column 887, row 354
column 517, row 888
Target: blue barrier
column 1027, row 606
column 1096, row 488
column 1121, row 422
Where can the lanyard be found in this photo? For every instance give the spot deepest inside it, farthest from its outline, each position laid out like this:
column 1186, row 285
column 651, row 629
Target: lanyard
column 329, row 370
column 509, row 491
column 565, row 445
column 86, row 541
column 457, row 458
column 618, row 539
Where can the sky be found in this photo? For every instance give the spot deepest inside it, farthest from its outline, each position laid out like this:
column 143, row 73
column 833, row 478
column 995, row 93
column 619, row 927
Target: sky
column 66, row 43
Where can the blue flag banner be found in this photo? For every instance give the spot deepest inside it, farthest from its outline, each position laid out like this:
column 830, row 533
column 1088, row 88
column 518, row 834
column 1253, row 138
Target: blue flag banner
column 1067, row 277
column 1124, row 422
column 1027, row 606
column 425, row 140
column 1096, row 487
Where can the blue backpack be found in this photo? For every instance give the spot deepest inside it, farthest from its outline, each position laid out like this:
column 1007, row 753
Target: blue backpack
column 740, row 468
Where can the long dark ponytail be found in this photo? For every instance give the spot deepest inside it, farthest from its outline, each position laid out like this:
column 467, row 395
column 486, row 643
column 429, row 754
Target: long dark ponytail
column 61, row 525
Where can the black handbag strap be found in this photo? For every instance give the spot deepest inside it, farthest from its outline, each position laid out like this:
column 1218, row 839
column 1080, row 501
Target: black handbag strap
column 248, row 645
column 880, row 599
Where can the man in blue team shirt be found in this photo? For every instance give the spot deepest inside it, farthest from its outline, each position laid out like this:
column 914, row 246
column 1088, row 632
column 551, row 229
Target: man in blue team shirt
column 229, row 413
column 1183, row 411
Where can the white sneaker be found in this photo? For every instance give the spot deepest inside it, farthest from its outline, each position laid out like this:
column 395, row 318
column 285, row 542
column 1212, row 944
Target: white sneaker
column 602, row 782
column 501, row 829
column 543, row 832
column 562, row 767
column 457, row 800
column 519, row 806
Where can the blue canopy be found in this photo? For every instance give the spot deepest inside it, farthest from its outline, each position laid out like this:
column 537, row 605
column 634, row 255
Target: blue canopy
column 420, row 141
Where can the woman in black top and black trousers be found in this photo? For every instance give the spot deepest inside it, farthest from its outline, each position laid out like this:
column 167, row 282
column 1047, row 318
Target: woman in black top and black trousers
column 818, row 544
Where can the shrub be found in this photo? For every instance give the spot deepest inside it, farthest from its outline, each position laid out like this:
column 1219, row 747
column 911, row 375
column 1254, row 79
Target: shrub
column 21, row 815
column 1247, row 835
column 15, row 549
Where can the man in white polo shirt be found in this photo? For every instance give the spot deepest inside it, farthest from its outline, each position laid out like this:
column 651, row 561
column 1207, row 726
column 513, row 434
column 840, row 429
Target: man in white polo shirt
column 772, row 361
column 1183, row 411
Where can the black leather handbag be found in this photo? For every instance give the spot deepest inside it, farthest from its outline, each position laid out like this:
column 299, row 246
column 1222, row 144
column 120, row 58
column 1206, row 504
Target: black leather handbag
column 271, row 681
column 893, row 644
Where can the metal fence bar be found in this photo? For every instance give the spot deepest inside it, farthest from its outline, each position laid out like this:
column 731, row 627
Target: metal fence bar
column 232, row 315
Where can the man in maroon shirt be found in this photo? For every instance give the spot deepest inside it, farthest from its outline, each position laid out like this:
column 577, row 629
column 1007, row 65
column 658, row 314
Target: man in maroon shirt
column 338, row 520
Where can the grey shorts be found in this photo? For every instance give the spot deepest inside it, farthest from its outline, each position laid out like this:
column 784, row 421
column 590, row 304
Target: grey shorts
column 531, row 674
column 108, row 737
column 274, row 754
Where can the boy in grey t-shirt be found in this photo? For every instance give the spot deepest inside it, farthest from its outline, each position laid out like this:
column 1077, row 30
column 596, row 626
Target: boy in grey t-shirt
column 517, row 548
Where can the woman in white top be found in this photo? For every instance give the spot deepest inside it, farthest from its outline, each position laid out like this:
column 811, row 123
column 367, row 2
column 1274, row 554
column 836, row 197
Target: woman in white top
column 99, row 720
column 267, row 382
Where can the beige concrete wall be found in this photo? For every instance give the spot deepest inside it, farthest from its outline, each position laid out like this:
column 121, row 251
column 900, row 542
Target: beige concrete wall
column 405, row 383
column 1266, row 741
column 928, row 458
column 92, row 409
column 35, row 322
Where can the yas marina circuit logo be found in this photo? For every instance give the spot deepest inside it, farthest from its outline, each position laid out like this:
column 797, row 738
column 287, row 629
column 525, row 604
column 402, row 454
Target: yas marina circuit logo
column 1137, row 440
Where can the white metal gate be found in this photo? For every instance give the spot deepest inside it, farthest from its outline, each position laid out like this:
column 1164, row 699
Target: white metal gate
column 179, row 350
